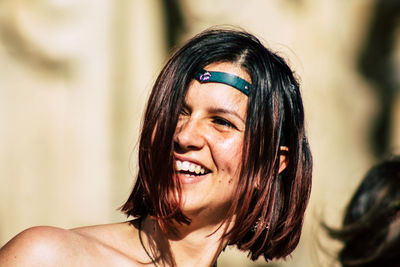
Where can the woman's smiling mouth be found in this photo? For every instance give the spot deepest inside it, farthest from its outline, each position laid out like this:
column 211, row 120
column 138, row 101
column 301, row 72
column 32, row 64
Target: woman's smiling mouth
column 189, row 171
column 189, row 167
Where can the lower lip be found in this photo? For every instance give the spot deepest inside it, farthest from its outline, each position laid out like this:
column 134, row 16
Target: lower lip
column 184, row 179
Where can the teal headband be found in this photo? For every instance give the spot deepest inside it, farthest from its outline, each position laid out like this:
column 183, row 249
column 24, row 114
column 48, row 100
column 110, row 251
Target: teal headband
column 204, row 76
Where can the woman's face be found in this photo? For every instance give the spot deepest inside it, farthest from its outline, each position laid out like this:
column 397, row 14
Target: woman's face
column 208, row 144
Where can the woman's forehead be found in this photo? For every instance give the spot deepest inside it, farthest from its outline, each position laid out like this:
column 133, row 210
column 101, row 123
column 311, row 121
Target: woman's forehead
column 216, row 96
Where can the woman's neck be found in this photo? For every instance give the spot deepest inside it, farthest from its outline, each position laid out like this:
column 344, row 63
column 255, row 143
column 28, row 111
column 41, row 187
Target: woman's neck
column 190, row 245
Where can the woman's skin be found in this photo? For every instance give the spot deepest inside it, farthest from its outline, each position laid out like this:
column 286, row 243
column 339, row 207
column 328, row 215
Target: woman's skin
column 210, row 135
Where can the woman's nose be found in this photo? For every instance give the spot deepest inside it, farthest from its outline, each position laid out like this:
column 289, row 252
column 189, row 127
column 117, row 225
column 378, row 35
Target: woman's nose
column 189, row 135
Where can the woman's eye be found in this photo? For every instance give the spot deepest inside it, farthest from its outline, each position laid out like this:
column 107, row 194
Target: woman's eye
column 184, row 112
column 223, row 122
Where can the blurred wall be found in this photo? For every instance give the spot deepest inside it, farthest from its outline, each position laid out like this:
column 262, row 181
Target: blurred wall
column 74, row 76
column 54, row 126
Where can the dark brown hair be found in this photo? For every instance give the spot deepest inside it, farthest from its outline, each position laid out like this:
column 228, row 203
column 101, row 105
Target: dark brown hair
column 371, row 226
column 274, row 202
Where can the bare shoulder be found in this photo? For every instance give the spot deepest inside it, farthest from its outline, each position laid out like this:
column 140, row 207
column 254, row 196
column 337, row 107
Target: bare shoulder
column 99, row 245
column 39, row 246
column 116, row 244
column 118, row 237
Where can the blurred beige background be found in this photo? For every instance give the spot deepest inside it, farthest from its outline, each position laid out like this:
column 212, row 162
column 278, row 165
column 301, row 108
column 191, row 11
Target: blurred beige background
column 75, row 75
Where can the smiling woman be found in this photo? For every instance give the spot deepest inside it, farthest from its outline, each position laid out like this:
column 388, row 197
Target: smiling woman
column 223, row 160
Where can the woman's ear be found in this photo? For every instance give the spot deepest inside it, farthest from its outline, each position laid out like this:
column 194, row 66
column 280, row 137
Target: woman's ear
column 283, row 158
column 283, row 162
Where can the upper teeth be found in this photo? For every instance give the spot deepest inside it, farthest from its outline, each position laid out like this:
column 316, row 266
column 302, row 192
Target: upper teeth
column 188, row 166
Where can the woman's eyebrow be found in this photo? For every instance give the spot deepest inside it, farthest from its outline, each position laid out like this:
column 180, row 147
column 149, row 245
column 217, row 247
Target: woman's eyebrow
column 226, row 111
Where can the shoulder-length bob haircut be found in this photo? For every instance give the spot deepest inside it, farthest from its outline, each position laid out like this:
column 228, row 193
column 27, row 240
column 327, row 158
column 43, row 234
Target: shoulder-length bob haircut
column 268, row 208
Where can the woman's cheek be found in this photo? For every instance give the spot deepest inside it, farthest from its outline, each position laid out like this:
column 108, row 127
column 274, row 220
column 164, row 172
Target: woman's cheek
column 229, row 151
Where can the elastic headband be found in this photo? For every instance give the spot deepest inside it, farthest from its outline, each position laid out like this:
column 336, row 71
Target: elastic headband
column 204, row 76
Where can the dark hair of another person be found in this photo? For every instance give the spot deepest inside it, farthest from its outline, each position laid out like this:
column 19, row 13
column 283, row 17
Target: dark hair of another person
column 371, row 227
column 275, row 202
